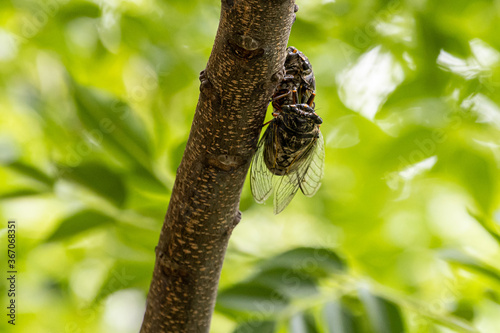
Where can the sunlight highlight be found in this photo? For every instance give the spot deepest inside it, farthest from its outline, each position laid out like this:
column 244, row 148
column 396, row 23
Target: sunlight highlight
column 364, row 86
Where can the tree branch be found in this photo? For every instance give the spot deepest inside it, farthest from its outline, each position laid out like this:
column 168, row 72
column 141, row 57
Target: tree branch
column 243, row 70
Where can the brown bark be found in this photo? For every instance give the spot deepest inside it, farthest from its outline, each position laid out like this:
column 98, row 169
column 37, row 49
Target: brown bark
column 245, row 65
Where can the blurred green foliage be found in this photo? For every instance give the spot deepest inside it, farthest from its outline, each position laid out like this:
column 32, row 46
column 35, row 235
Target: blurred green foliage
column 96, row 100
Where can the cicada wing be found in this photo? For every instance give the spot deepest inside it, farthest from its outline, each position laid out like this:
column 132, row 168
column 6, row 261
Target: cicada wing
column 311, row 171
column 260, row 176
column 307, row 176
column 287, row 186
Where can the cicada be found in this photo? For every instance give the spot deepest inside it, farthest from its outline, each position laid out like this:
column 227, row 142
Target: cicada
column 299, row 79
column 289, row 156
column 291, row 153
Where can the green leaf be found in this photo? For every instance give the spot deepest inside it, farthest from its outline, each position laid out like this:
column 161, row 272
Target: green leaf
column 31, row 172
column 290, row 282
column 486, row 225
column 251, row 298
column 99, row 179
column 78, row 223
column 429, row 41
column 147, row 195
column 476, row 173
column 126, row 274
column 138, row 237
column 79, row 9
column 304, row 30
column 470, row 264
column 144, row 181
column 20, row 193
column 410, row 148
column 492, row 295
column 339, row 318
column 465, row 310
column 256, row 327
column 407, row 93
column 318, row 262
column 113, row 123
column 177, row 153
column 303, row 322
column 384, row 315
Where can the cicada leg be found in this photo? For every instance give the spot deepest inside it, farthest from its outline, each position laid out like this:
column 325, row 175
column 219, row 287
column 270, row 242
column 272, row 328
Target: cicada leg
column 282, row 95
column 266, row 123
column 295, row 96
column 310, row 101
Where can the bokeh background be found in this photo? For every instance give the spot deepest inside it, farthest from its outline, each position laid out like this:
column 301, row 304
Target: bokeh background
column 96, row 101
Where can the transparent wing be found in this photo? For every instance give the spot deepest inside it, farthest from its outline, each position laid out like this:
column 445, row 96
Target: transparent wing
column 286, row 188
column 260, row 176
column 307, row 177
column 311, row 171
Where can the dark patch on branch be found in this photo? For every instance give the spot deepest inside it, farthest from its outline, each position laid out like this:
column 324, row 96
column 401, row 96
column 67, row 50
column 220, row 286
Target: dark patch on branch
column 207, row 88
column 278, row 76
column 245, row 47
column 169, row 267
column 237, row 219
column 247, row 42
column 225, row 162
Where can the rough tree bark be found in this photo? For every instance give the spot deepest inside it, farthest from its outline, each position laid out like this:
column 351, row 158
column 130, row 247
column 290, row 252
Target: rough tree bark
column 244, row 68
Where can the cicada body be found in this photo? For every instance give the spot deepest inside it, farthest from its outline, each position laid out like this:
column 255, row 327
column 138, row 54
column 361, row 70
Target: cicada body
column 289, row 156
column 299, row 77
column 291, row 153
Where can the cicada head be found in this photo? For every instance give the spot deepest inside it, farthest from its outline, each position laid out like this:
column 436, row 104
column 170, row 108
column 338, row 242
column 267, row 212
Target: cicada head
column 300, row 118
